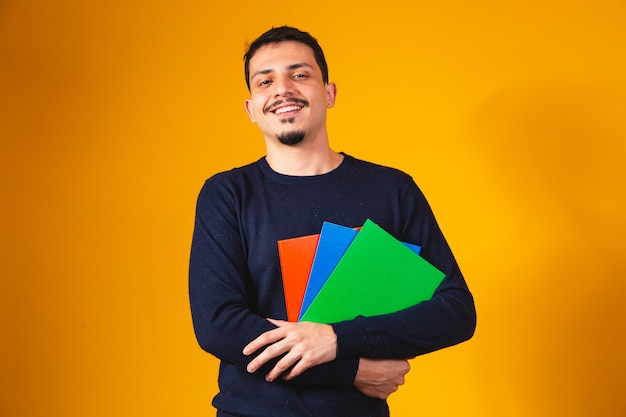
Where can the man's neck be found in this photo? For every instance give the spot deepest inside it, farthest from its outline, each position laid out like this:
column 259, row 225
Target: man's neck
column 304, row 159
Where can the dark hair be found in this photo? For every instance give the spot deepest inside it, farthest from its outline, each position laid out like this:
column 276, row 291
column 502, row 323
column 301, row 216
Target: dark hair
column 282, row 34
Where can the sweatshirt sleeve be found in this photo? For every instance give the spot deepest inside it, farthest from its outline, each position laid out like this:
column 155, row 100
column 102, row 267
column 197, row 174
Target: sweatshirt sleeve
column 221, row 292
column 447, row 319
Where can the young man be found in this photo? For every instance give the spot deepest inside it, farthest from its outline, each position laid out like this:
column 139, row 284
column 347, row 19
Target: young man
column 271, row 367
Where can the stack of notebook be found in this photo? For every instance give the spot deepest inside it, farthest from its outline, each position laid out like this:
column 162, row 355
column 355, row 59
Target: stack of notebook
column 342, row 273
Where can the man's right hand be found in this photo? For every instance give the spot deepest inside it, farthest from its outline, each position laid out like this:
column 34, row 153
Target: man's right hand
column 379, row 378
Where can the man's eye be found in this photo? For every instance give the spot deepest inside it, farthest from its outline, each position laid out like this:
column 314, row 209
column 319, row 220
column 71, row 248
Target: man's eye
column 265, row 82
column 300, row 76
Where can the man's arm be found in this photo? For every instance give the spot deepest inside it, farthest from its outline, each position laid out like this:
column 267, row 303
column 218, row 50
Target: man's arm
column 379, row 378
column 220, row 293
column 447, row 319
column 304, row 345
column 307, row 344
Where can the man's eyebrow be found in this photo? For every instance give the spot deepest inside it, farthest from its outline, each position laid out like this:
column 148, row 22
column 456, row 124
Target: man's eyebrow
column 299, row 65
column 261, row 72
column 289, row 68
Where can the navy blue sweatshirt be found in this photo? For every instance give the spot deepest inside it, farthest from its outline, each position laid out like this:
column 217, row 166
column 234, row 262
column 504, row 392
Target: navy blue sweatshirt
column 235, row 282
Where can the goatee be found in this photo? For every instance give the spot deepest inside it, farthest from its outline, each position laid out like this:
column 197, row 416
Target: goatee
column 291, row 138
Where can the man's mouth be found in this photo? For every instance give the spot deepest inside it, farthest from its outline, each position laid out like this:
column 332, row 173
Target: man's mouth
column 287, row 109
column 285, row 106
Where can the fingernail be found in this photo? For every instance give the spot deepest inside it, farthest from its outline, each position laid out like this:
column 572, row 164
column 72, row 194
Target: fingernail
column 246, row 350
column 251, row 368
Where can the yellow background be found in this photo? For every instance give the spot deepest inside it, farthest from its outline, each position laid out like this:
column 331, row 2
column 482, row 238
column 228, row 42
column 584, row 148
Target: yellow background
column 510, row 116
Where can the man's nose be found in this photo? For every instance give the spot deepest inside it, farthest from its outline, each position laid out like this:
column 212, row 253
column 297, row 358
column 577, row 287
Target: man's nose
column 283, row 86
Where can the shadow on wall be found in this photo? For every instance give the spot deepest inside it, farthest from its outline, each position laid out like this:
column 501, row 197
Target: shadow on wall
column 558, row 155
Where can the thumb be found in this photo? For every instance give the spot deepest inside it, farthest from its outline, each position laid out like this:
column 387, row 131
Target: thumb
column 278, row 323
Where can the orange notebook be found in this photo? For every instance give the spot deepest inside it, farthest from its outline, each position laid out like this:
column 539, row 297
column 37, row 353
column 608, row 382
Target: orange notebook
column 296, row 258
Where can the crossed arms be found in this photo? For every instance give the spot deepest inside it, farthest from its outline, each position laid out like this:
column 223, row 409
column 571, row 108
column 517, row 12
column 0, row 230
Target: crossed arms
column 307, row 344
column 231, row 311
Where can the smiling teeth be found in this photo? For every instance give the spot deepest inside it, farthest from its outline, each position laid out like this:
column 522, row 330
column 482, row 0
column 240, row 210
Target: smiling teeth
column 286, row 109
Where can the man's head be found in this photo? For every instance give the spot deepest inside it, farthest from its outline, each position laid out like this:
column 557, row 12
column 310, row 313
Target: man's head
column 282, row 34
column 289, row 90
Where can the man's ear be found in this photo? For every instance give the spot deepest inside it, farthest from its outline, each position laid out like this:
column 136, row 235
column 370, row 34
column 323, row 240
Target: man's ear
column 248, row 106
column 331, row 94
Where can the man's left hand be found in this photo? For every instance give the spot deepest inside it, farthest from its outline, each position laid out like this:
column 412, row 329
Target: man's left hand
column 305, row 345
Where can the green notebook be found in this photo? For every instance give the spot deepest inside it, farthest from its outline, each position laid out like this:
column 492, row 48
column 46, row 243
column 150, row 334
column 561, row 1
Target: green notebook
column 377, row 275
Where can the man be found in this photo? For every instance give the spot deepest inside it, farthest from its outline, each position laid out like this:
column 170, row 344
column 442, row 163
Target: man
column 270, row 367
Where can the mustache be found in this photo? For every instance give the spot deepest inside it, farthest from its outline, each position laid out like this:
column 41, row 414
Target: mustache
column 277, row 103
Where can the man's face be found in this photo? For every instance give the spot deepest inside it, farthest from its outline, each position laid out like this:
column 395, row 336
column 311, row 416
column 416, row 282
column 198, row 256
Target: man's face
column 288, row 97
